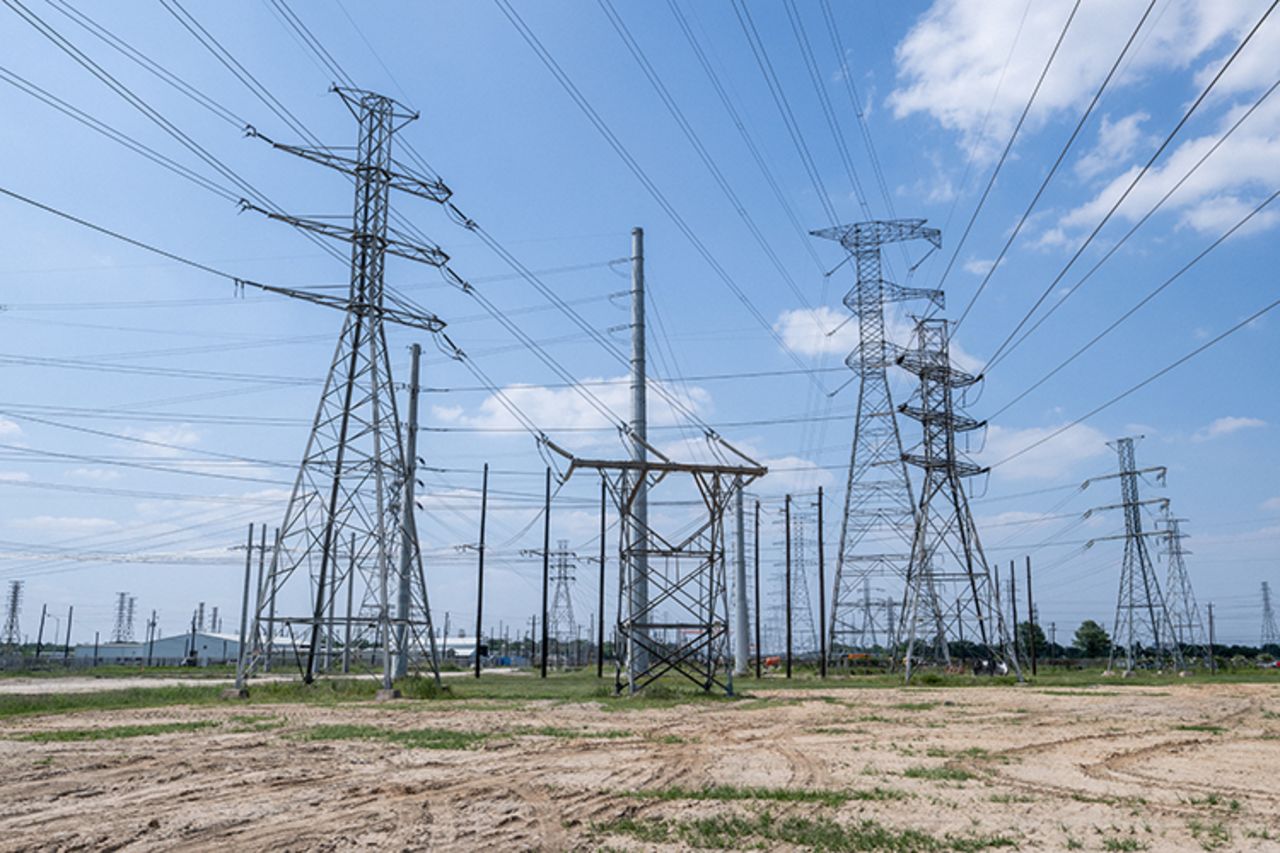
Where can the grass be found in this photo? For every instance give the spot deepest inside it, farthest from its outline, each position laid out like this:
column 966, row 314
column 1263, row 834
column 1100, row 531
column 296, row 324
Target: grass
column 827, row 797
column 1201, row 727
column 1210, row 836
column 112, row 732
column 410, row 738
column 555, row 731
column 938, row 774
column 1123, row 844
column 736, row 832
column 915, row 706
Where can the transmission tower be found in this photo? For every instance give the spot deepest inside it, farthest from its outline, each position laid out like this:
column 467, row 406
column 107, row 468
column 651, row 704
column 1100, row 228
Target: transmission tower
column 804, row 631
column 561, row 626
column 350, row 515
column 876, row 529
column 122, row 632
column 1270, row 633
column 1143, row 627
column 1184, row 613
column 12, row 634
column 950, row 596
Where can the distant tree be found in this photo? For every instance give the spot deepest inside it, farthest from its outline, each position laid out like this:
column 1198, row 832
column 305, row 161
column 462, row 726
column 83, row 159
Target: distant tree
column 1029, row 632
column 1092, row 639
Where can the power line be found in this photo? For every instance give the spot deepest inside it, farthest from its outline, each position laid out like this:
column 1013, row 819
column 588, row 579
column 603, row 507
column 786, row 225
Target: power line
column 1186, row 116
column 1053, row 170
column 1009, row 145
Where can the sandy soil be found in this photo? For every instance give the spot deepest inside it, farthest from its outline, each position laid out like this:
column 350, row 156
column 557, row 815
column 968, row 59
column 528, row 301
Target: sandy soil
column 1186, row 767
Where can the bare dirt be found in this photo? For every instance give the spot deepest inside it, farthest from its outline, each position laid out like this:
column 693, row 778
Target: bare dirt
column 1187, row 767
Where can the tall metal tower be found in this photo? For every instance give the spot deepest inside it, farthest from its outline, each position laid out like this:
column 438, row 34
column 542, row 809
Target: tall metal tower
column 950, row 596
column 1143, row 627
column 122, row 632
column 349, row 518
column 1270, row 633
column 876, row 529
column 1184, row 613
column 561, row 626
column 804, row 631
column 12, row 633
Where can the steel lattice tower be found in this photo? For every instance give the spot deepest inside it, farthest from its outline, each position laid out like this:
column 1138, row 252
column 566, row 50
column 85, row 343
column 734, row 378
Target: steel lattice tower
column 804, row 623
column 1142, row 625
column 876, row 528
column 122, row 632
column 1270, row 633
column 950, row 596
column 346, row 522
column 561, row 626
column 1184, row 612
column 12, row 633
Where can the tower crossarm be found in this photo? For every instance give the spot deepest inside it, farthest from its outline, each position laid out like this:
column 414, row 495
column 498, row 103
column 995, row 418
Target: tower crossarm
column 953, row 421
column 934, row 367
column 865, row 235
column 1159, row 470
column 412, row 319
column 429, row 254
column 400, row 178
column 897, row 293
column 1162, row 502
column 1122, row 536
column 963, row 468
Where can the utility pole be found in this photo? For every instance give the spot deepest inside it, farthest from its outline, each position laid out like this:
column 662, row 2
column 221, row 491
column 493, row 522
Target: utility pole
column 546, row 567
column 1031, row 619
column 741, row 627
column 822, row 591
column 879, row 510
column 409, row 527
column 351, row 586
column 756, row 587
column 637, row 654
column 604, row 494
column 787, row 523
column 95, row 649
column 66, row 649
column 44, row 609
column 242, row 652
column 151, row 638
column 1013, row 603
column 484, row 511
column 1213, row 660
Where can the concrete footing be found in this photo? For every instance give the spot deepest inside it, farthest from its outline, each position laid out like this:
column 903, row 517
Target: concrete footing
column 386, row 695
column 235, row 693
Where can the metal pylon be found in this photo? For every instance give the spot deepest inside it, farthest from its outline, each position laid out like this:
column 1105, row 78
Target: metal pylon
column 1142, row 628
column 876, row 528
column 11, row 634
column 1184, row 613
column 952, row 607
column 346, row 522
column 1270, row 633
column 561, row 627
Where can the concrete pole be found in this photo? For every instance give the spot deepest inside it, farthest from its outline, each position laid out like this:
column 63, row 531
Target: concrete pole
column 351, row 586
column 742, row 620
column 271, row 602
column 66, row 650
column 639, row 604
column 484, row 511
column 600, row 589
column 44, row 609
column 151, row 638
column 255, row 629
column 244, row 612
column 546, row 570
column 407, row 545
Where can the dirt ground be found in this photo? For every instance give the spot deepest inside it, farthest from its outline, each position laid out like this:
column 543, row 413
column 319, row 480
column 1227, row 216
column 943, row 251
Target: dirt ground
column 1187, row 767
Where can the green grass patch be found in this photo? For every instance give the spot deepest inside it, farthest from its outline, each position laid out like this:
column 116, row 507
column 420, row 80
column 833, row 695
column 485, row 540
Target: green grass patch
column 938, row 774
column 112, row 732
column 411, row 738
column 736, row 832
column 915, row 706
column 1123, row 844
column 1201, row 727
column 734, row 792
column 555, row 731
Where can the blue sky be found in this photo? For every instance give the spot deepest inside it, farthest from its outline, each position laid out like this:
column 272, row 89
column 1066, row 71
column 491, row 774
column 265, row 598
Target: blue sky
column 99, row 336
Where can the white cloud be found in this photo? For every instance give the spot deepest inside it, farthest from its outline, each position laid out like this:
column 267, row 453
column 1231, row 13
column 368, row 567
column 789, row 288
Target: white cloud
column 9, row 429
column 978, row 266
column 952, row 63
column 1271, row 504
column 64, row 524
column 1227, row 426
column 822, row 331
column 1056, row 459
column 1116, row 142
column 98, row 475
column 180, row 435
column 14, row 476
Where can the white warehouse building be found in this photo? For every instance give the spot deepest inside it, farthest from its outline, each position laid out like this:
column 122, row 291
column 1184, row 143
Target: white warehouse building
column 210, row 648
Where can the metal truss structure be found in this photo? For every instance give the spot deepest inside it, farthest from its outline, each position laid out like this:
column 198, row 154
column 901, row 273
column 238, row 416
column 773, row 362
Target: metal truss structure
column 122, row 631
column 804, row 622
column 1143, row 628
column 1184, row 612
column 876, row 529
column 11, row 634
column 348, row 532
column 681, row 625
column 1270, row 633
column 949, row 586
column 561, row 626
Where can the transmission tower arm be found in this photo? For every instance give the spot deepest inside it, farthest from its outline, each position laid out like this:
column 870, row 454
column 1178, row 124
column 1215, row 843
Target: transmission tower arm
column 1163, row 502
column 414, row 320
column 897, row 293
column 1159, row 470
column 862, row 235
column 424, row 254
column 1121, row 536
